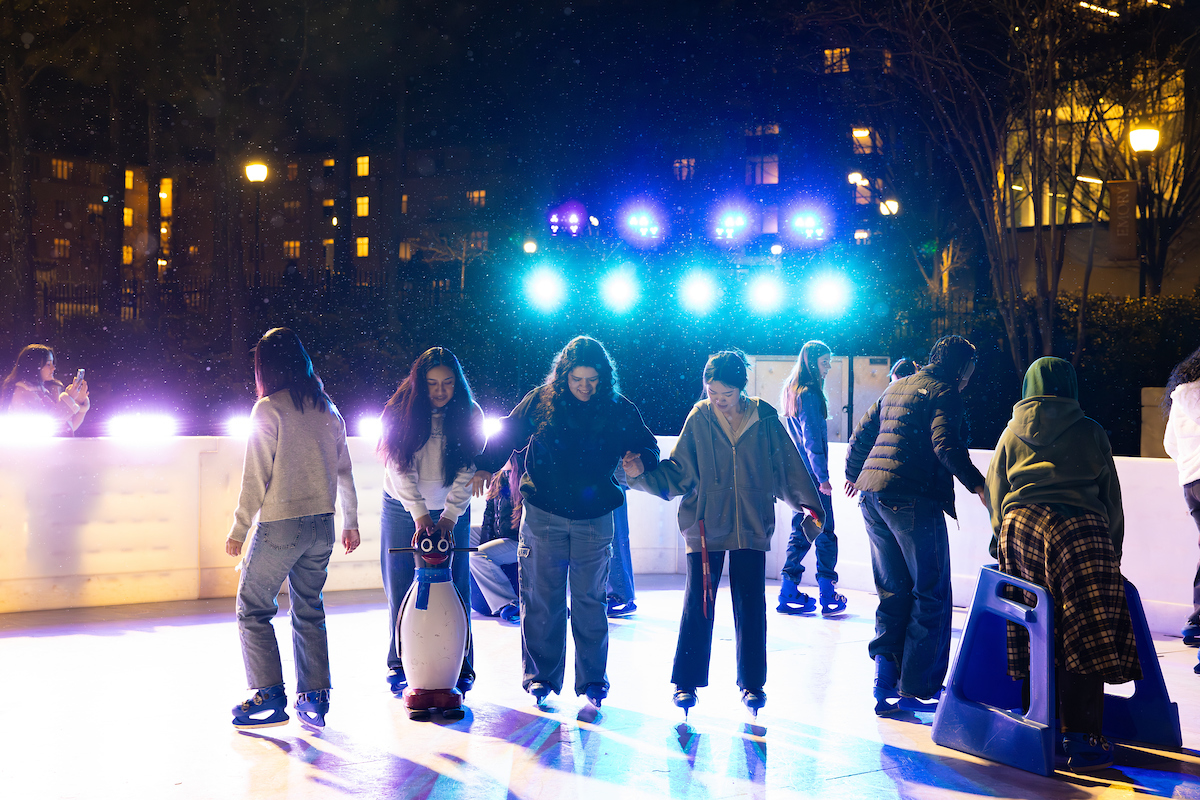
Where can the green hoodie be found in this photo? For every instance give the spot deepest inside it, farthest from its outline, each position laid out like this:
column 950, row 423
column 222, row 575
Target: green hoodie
column 1051, row 454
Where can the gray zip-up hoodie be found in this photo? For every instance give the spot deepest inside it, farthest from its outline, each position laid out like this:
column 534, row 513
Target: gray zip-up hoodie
column 733, row 487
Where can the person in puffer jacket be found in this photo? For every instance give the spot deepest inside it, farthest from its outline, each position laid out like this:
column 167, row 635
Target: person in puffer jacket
column 1182, row 443
column 732, row 459
column 904, row 456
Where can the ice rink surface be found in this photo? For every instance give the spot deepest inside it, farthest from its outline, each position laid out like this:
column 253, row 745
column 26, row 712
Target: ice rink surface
column 133, row 702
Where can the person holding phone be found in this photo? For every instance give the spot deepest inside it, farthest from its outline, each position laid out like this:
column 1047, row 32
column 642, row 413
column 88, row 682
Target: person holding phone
column 30, row 388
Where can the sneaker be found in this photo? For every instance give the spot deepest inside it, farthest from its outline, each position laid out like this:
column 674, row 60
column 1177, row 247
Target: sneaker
column 510, row 613
column 1087, row 752
column 620, row 609
column 264, row 710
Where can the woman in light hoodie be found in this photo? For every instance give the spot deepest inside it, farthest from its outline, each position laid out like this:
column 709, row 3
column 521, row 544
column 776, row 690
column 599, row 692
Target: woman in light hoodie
column 1182, row 443
column 732, row 459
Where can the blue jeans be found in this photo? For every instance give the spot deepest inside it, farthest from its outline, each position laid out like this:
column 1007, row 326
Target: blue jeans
column 799, row 545
column 487, row 570
column 396, row 530
column 553, row 550
column 620, row 569
column 297, row 549
column 910, row 557
column 747, row 586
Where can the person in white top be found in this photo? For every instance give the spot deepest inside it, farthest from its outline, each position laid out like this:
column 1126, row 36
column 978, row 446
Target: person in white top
column 296, row 466
column 31, row 389
column 1182, row 443
column 432, row 431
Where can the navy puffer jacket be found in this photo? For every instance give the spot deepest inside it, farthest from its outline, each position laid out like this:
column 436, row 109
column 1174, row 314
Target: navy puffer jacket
column 910, row 443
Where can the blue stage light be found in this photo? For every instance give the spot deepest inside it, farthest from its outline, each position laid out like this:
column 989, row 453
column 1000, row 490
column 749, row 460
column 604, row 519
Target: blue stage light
column 545, row 289
column 698, row 293
column 619, row 291
column 766, row 294
column 830, row 295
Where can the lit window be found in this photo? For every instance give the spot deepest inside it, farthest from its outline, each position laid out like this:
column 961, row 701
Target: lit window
column 862, row 236
column 128, row 179
column 193, row 250
column 127, row 254
column 291, row 248
column 129, row 218
column 406, row 251
column 865, row 140
column 363, row 166
column 887, row 62
column 362, row 247
column 479, row 240
column 837, row 60
column 770, row 129
column 164, row 238
column 762, row 170
column 685, row 169
column 62, row 169
column 166, row 189
column 62, row 248
column 403, row 204
column 328, row 244
column 477, row 198
column 328, row 207
column 96, row 209
column 293, row 172
column 362, row 206
column 329, row 162
column 291, row 208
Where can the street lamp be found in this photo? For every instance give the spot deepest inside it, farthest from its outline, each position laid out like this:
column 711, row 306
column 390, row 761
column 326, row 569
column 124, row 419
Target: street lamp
column 256, row 174
column 1144, row 141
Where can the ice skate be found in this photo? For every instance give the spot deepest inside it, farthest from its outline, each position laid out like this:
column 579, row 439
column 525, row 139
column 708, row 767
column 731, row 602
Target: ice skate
column 264, row 710
column 794, row 601
column 685, row 698
column 311, row 707
column 754, row 699
column 831, row 601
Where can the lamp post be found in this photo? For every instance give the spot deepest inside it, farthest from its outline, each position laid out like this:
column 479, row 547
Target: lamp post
column 256, row 174
column 1144, row 141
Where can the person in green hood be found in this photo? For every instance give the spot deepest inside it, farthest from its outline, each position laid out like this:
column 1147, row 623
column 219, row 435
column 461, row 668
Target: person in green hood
column 1055, row 503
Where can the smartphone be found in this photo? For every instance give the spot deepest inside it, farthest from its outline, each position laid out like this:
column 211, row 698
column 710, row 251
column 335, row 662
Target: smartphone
column 78, row 377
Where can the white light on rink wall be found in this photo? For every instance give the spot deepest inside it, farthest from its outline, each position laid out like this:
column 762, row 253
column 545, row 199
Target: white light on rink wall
column 18, row 429
column 238, row 427
column 370, row 427
column 142, row 427
column 492, row 426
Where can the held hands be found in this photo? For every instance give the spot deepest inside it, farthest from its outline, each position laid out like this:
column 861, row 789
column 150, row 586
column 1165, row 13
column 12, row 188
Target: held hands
column 851, row 489
column 350, row 540
column 826, row 488
column 632, row 464
column 233, row 547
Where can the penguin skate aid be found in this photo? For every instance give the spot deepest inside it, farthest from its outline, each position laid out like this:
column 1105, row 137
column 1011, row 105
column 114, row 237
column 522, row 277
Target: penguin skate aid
column 431, row 630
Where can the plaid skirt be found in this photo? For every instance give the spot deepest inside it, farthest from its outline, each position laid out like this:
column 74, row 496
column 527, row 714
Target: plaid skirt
column 1074, row 559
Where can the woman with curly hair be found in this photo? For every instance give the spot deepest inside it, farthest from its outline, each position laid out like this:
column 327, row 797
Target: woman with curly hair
column 31, row 388
column 577, row 427
column 432, row 431
column 1182, row 443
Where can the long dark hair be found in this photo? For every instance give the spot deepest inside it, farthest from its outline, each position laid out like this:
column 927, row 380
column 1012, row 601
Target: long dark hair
column 28, row 368
column 1186, row 371
column 582, row 351
column 408, row 417
column 730, row 367
column 806, row 377
column 281, row 362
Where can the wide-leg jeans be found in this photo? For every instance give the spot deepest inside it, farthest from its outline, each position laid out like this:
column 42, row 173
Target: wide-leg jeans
column 747, row 586
column 399, row 569
column 553, row 551
column 298, row 550
column 910, row 559
column 620, row 569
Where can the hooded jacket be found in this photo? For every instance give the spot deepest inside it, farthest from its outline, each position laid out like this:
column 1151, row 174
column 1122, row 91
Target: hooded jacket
column 1051, row 454
column 1182, row 439
column 733, row 487
column 910, row 443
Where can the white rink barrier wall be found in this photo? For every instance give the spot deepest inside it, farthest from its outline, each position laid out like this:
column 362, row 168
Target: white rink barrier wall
column 92, row 522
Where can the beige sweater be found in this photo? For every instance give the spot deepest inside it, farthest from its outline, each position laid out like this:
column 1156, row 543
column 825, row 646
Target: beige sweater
column 296, row 463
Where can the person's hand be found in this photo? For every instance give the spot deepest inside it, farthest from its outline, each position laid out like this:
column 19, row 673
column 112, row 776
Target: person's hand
column 826, row 488
column 233, row 547
column 423, row 523
column 982, row 493
column 350, row 540
column 445, row 525
column 77, row 391
column 479, row 484
column 632, row 464
column 851, row 489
